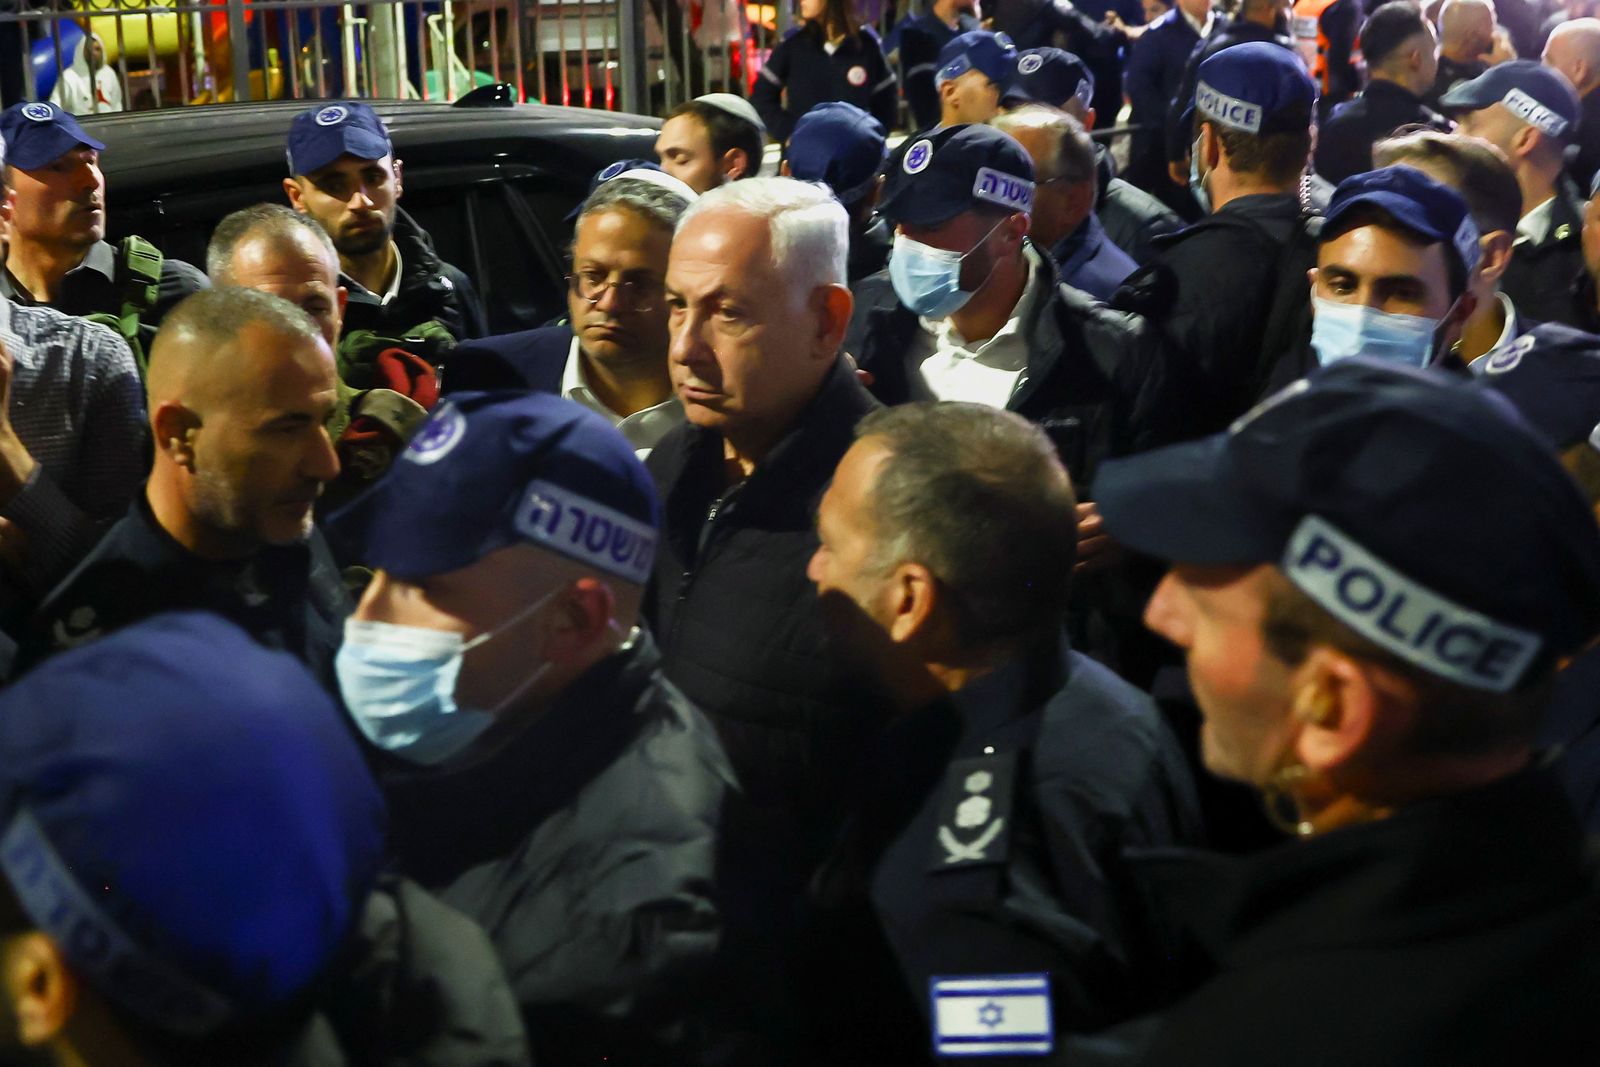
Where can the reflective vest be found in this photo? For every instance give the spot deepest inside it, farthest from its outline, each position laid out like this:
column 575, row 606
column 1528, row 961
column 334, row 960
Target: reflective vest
column 1310, row 40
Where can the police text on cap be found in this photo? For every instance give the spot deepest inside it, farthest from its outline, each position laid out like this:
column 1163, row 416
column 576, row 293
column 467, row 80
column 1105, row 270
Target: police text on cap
column 1534, row 113
column 1230, row 111
column 1003, row 189
column 1404, row 616
column 587, row 531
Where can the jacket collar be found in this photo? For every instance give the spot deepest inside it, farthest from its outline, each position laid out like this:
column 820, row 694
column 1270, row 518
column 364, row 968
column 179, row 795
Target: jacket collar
column 101, row 260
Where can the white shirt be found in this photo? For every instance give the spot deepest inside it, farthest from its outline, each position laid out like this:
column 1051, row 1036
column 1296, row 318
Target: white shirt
column 1533, row 227
column 988, row 372
column 1202, row 28
column 642, row 429
column 1508, row 332
column 394, row 283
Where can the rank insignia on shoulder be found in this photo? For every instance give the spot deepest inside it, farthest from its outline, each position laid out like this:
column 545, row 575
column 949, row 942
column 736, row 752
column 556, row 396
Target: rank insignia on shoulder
column 975, row 812
column 992, row 1015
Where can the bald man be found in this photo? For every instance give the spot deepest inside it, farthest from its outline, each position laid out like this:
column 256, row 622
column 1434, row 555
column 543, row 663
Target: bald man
column 1467, row 45
column 382, row 401
column 241, row 385
column 1574, row 50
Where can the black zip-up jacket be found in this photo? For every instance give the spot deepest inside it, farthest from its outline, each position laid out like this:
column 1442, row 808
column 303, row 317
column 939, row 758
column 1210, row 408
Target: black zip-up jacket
column 1345, row 140
column 1097, row 380
column 1540, row 273
column 430, row 290
column 803, row 69
column 740, row 626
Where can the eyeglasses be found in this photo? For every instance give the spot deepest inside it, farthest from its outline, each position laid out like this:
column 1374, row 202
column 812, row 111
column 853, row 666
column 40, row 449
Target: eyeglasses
column 636, row 295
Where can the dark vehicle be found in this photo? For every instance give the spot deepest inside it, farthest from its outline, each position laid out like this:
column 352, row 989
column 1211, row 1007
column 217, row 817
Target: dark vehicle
column 491, row 184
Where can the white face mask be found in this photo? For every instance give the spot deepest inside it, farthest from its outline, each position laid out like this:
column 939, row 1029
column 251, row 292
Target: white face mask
column 1339, row 331
column 399, row 683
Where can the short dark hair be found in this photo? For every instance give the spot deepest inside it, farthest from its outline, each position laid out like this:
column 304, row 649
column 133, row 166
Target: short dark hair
column 1389, row 27
column 1451, row 719
column 978, row 496
column 1472, row 167
column 1372, row 215
column 1279, row 158
column 725, row 132
column 276, row 221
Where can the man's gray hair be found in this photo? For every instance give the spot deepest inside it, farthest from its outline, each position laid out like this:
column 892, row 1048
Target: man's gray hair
column 808, row 229
column 1072, row 156
column 273, row 222
column 978, row 496
column 218, row 316
column 657, row 206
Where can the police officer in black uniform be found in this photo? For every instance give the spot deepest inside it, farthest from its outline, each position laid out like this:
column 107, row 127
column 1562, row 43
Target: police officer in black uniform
column 1253, row 101
column 831, row 56
column 844, row 148
column 1402, row 61
column 969, row 309
column 57, row 255
column 1132, row 217
column 921, row 41
column 1371, row 646
column 344, row 173
column 973, row 904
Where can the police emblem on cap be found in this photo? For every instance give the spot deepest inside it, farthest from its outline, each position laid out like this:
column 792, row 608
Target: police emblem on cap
column 332, row 116
column 1030, row 64
column 918, row 158
column 856, row 76
column 438, row 436
column 1507, row 358
column 613, row 170
column 38, row 112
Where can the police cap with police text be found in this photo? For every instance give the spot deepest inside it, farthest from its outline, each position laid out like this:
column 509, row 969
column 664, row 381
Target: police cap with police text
column 955, row 169
column 991, row 54
column 1256, row 88
column 1050, row 76
column 1538, row 95
column 320, row 135
column 38, row 134
column 1418, row 509
column 186, row 814
column 1552, row 374
column 840, row 145
column 1432, row 210
column 492, row 470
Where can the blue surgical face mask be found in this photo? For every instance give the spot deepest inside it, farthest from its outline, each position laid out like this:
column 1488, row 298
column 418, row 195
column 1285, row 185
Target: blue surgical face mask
column 1197, row 184
column 399, row 683
column 928, row 280
column 1339, row 331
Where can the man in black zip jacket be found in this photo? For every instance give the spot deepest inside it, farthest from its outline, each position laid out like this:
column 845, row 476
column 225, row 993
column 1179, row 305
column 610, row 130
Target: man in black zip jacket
column 771, row 406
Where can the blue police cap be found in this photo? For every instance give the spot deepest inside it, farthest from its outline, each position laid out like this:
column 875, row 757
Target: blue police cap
column 841, row 146
column 1257, row 88
column 490, row 470
column 954, row 169
column 991, row 54
column 644, row 170
column 321, row 134
column 1538, row 95
column 1552, row 375
column 187, row 816
column 1050, row 76
column 1371, row 486
column 1434, row 211
column 38, row 134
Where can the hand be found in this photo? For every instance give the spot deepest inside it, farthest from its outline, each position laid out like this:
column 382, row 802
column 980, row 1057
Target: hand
column 1178, row 171
column 1096, row 550
column 1114, row 21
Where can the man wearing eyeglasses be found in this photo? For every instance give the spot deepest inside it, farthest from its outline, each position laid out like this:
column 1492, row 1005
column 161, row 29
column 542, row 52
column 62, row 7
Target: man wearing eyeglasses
column 611, row 357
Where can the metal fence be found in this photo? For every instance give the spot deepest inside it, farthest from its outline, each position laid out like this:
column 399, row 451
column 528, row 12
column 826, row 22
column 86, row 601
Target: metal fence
column 633, row 55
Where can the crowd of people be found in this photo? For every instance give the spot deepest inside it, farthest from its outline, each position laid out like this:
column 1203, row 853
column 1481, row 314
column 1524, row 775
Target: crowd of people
column 944, row 599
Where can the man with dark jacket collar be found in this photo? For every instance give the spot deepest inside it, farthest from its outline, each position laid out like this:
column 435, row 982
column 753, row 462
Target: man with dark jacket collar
column 612, row 357
column 921, row 41
column 344, row 173
column 1013, row 771
column 970, row 310
column 1402, row 60
column 543, row 776
column 1530, row 112
column 758, row 307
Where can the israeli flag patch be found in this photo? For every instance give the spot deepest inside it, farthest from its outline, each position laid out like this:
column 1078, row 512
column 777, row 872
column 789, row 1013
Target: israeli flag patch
column 992, row 1015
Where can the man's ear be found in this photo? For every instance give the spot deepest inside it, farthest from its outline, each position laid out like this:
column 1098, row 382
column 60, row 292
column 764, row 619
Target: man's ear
column 291, row 189
column 915, row 596
column 1495, row 254
column 40, row 985
column 399, row 178
column 584, row 618
column 341, row 298
column 1210, row 147
column 736, row 163
column 174, row 426
column 1088, row 119
column 1524, row 141
column 1337, row 709
column 833, row 305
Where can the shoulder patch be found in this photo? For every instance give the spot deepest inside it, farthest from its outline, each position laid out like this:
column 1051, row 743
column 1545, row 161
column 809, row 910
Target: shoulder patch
column 975, row 812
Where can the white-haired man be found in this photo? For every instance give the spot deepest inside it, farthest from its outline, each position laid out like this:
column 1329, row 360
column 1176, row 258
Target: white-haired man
column 757, row 308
